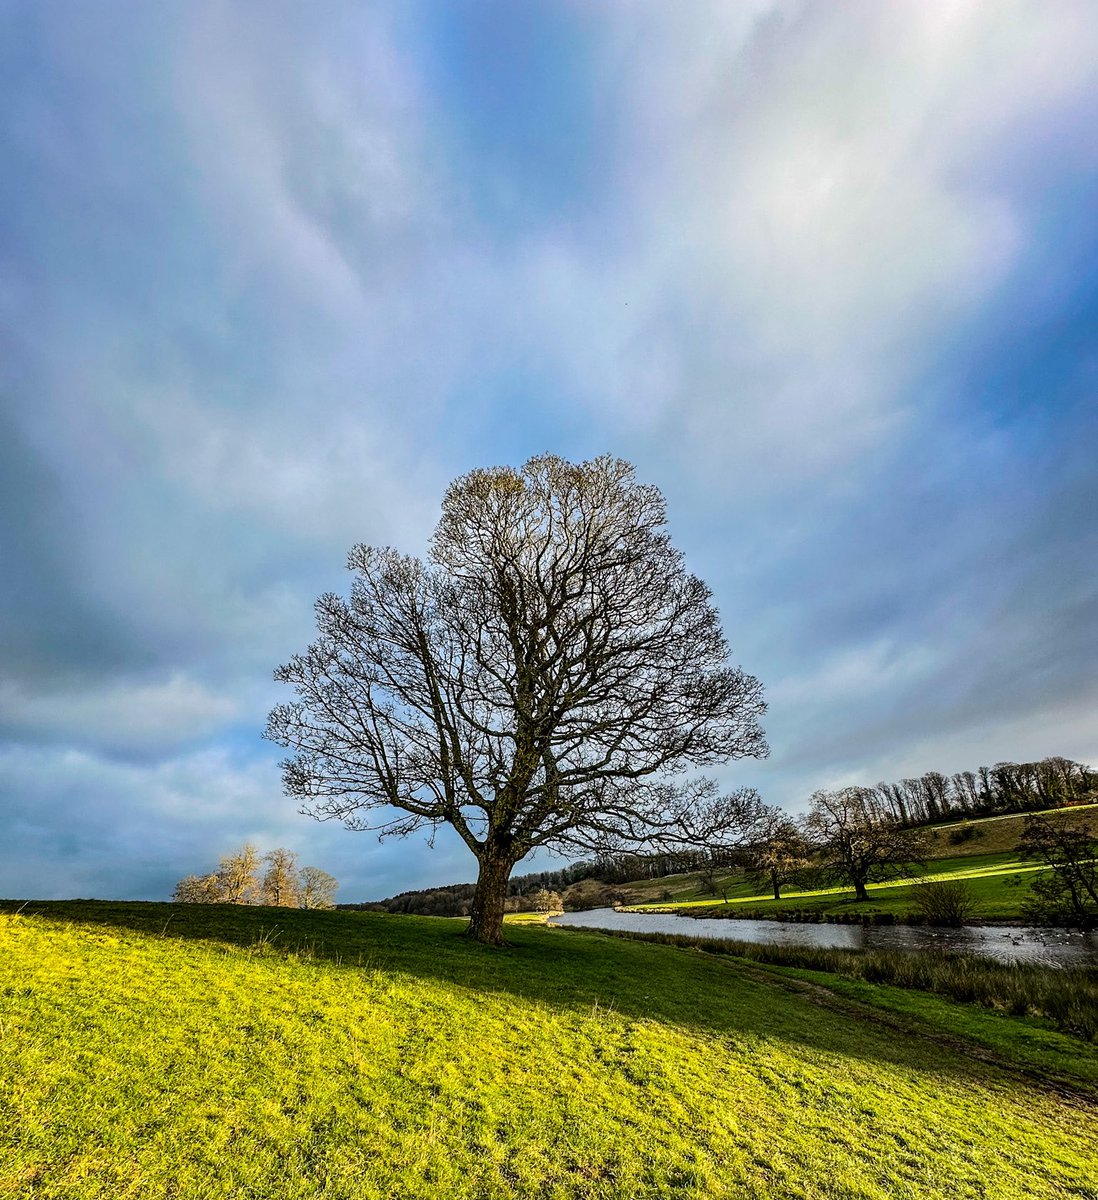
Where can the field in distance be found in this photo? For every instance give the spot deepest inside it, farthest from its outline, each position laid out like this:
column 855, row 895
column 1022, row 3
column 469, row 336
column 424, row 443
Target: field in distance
column 190, row 1051
column 983, row 853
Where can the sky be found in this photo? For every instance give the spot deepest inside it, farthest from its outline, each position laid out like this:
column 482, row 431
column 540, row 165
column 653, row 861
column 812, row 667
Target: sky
column 272, row 274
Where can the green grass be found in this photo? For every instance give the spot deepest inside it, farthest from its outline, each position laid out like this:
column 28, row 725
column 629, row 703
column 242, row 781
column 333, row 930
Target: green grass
column 988, row 863
column 998, row 883
column 161, row 1051
column 988, row 835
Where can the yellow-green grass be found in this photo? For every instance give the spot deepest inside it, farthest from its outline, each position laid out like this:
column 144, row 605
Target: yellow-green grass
column 162, row 1051
column 988, row 835
column 997, row 883
column 988, row 862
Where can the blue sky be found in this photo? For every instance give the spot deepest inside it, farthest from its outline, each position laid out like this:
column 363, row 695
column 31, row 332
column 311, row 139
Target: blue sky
column 272, row 275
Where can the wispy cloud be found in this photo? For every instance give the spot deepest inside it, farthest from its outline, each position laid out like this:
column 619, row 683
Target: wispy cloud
column 266, row 283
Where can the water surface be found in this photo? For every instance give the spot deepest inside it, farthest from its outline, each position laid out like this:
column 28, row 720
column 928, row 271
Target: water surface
column 1050, row 947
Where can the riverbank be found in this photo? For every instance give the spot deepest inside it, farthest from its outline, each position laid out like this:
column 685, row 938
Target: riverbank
column 214, row 1052
column 1066, row 997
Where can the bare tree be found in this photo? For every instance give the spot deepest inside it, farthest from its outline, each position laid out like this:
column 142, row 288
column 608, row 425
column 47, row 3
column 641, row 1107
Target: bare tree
column 280, row 880
column 859, row 841
column 316, row 888
column 541, row 681
column 1066, row 893
column 238, row 876
column 198, row 889
column 781, row 853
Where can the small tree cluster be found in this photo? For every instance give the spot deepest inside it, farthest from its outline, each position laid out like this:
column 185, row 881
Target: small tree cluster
column 548, row 902
column 247, row 877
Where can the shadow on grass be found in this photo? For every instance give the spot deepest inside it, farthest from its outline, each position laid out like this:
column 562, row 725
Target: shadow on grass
column 569, row 970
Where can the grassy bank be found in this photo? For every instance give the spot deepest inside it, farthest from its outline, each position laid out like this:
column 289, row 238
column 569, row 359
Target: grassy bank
column 982, row 853
column 998, row 884
column 153, row 1050
column 1067, row 998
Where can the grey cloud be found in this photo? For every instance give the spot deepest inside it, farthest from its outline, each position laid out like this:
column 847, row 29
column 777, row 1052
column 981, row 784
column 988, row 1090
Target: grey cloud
column 251, row 315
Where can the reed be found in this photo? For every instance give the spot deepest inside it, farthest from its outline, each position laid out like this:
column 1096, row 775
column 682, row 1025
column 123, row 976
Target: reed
column 1066, row 996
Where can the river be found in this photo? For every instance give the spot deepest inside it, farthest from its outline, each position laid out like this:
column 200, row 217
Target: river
column 1048, row 947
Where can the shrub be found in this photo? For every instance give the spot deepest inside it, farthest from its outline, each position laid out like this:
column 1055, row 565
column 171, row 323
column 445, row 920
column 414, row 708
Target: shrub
column 944, row 902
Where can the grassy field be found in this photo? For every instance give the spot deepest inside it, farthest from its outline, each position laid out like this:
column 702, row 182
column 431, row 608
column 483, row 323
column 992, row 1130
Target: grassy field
column 986, row 858
column 998, row 884
column 990, row 835
column 160, row 1051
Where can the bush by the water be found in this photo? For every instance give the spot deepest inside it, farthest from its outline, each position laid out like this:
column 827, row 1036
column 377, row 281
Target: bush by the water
column 944, row 902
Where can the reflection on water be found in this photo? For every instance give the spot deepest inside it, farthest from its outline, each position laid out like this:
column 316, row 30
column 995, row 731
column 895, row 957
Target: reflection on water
column 1050, row 947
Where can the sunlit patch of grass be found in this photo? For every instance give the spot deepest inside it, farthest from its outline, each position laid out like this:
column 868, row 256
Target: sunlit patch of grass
column 998, row 883
column 155, row 1051
column 1066, row 997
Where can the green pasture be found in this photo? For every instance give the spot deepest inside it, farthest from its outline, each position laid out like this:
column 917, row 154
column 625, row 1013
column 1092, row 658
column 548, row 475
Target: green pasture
column 998, row 883
column 986, row 860
column 152, row 1050
column 989, row 835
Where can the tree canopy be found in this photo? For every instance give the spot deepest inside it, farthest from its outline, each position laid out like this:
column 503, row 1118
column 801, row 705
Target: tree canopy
column 544, row 679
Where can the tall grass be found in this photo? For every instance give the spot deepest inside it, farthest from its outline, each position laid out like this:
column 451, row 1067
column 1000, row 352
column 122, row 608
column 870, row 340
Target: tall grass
column 1066, row 996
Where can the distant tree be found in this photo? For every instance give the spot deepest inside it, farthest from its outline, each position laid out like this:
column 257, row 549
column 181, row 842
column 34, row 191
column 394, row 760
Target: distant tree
column 198, row 889
column 964, row 789
column 547, row 902
column 781, row 854
column 238, row 876
column 544, row 680
column 859, row 842
column 316, row 888
column 707, row 878
column 280, row 880
column 237, row 881
column 1066, row 893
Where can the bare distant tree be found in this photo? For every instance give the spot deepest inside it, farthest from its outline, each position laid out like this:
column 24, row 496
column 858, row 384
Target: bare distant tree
column 964, row 788
column 280, row 880
column 316, row 888
column 860, row 842
column 1067, row 893
column 198, row 889
column 539, row 683
column 238, row 876
column 781, row 853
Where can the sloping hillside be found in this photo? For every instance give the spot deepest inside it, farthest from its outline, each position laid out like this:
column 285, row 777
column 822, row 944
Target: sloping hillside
column 155, row 1051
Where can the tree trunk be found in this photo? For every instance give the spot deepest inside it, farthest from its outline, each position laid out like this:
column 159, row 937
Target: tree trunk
column 486, row 912
column 777, row 886
column 859, row 890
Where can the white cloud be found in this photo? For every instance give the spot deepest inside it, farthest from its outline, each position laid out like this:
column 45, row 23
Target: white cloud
column 807, row 213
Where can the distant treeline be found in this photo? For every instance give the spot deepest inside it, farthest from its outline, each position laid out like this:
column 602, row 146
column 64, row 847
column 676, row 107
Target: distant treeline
column 1004, row 788
column 930, row 799
column 454, row 899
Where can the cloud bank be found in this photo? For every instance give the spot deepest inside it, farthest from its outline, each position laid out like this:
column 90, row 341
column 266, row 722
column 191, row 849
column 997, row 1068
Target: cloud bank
column 267, row 282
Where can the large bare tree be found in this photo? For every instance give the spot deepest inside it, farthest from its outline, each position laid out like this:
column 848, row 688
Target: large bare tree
column 858, row 840
column 542, row 681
